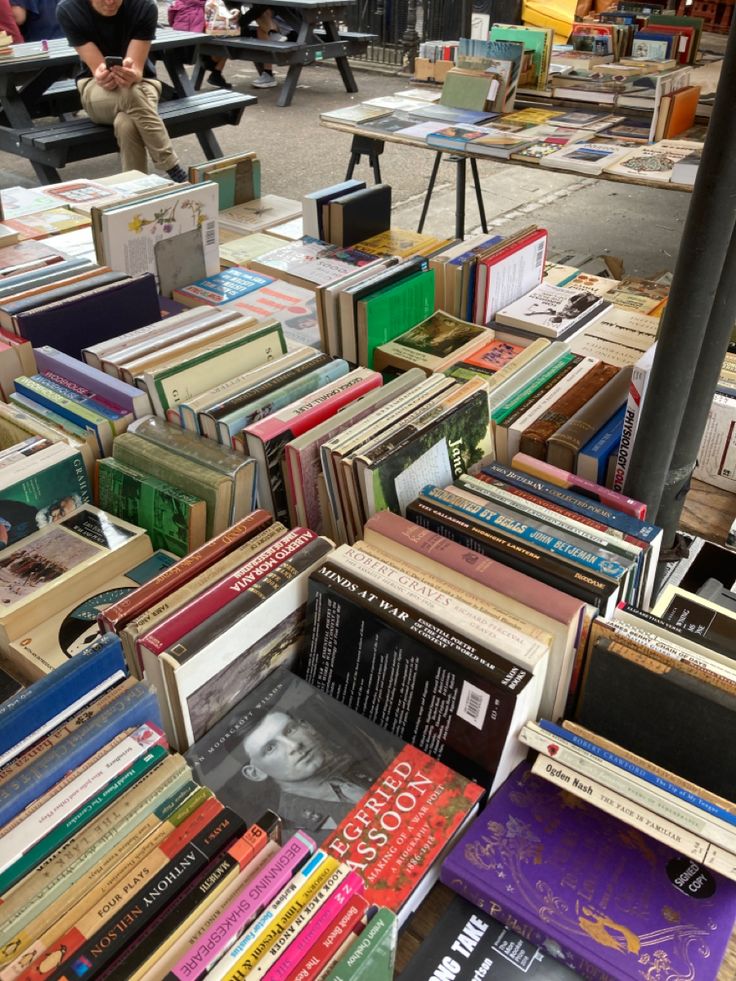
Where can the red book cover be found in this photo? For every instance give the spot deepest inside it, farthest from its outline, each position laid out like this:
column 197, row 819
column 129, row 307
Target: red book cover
column 498, row 289
column 206, row 604
column 348, row 923
column 115, row 617
column 386, row 808
column 308, row 412
column 266, row 439
column 400, row 828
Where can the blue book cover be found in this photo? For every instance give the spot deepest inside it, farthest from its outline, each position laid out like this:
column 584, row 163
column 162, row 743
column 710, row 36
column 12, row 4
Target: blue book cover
column 232, row 425
column 224, row 287
column 57, row 696
column 585, row 558
column 593, row 457
column 576, row 502
column 129, row 710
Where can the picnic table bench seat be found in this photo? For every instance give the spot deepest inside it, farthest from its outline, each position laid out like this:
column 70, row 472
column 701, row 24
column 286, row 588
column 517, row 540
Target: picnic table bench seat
column 80, row 138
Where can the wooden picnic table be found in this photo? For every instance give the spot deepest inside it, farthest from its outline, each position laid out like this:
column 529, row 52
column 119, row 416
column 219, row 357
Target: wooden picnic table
column 29, row 86
column 319, row 38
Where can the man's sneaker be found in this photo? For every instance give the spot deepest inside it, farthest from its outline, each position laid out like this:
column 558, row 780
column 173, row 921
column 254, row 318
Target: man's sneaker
column 218, row 79
column 264, row 81
column 177, row 174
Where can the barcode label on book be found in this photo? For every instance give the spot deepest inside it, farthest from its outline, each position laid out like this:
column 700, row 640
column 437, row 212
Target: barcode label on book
column 473, row 705
column 539, row 256
column 210, row 233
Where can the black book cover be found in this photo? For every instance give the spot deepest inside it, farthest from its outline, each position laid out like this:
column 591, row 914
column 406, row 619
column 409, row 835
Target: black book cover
column 662, row 713
column 92, row 317
column 64, row 291
column 467, row 944
column 410, row 674
column 360, row 215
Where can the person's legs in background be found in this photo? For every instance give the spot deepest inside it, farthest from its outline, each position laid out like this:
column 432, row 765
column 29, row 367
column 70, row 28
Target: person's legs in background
column 133, row 114
column 266, row 30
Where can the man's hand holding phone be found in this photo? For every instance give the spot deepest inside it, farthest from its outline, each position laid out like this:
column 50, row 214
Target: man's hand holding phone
column 104, row 77
column 126, row 73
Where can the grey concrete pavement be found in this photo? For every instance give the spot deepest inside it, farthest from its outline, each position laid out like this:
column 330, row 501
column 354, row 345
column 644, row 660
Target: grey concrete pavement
column 584, row 216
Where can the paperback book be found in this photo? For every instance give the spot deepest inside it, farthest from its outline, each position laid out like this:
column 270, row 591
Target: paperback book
column 344, row 761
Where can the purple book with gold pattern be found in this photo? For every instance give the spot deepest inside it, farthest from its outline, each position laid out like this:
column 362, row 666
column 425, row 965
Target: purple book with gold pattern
column 607, row 900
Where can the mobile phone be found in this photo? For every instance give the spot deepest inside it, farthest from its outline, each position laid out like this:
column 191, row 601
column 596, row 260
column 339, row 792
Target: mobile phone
column 113, row 61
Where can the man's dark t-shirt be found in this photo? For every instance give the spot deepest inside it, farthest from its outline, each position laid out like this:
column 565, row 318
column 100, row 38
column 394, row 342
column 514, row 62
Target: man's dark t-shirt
column 134, row 21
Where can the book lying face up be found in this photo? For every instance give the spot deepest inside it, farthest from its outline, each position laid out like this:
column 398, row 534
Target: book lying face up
column 386, row 808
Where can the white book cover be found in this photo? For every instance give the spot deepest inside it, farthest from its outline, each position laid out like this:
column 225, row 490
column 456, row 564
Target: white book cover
column 717, row 455
column 552, row 311
column 507, row 276
column 637, row 391
column 131, row 232
column 617, row 329
column 653, row 163
column 23, row 836
column 260, row 213
column 586, row 158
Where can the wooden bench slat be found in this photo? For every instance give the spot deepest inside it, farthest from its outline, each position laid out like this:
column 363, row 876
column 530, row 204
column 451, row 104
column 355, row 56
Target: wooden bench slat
column 62, row 142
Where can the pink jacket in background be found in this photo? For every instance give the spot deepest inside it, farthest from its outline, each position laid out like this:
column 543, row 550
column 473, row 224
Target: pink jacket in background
column 187, row 15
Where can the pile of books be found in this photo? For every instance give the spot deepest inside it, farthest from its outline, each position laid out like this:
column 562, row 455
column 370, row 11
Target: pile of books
column 436, row 581
column 116, row 859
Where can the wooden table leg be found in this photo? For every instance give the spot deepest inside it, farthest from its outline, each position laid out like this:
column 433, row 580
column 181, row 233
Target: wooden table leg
column 18, row 116
column 343, row 65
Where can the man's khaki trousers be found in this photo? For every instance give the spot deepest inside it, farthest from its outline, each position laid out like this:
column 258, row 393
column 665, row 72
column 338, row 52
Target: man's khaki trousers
column 133, row 114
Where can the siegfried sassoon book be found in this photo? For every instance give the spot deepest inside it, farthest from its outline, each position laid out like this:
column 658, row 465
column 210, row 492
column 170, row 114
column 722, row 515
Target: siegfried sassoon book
column 606, row 899
column 385, row 808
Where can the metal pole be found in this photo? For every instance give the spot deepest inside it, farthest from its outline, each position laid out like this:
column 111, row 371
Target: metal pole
column 705, row 240
column 715, row 344
column 466, row 21
column 410, row 38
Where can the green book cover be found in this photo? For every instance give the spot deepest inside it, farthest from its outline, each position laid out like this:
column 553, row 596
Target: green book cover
column 184, row 474
column 457, row 439
column 463, row 90
column 392, row 311
column 512, row 403
column 173, row 519
column 537, row 42
column 42, row 498
column 183, row 380
column 372, row 955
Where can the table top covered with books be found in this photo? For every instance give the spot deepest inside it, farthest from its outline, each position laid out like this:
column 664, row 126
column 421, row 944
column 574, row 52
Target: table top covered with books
column 565, row 141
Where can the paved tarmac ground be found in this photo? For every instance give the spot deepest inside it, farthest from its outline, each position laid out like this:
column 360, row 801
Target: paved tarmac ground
column 585, row 217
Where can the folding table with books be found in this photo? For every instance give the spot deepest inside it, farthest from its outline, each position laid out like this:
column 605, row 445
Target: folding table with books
column 460, row 158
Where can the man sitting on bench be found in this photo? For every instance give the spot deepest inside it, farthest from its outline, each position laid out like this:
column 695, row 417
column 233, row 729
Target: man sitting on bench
column 117, row 84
